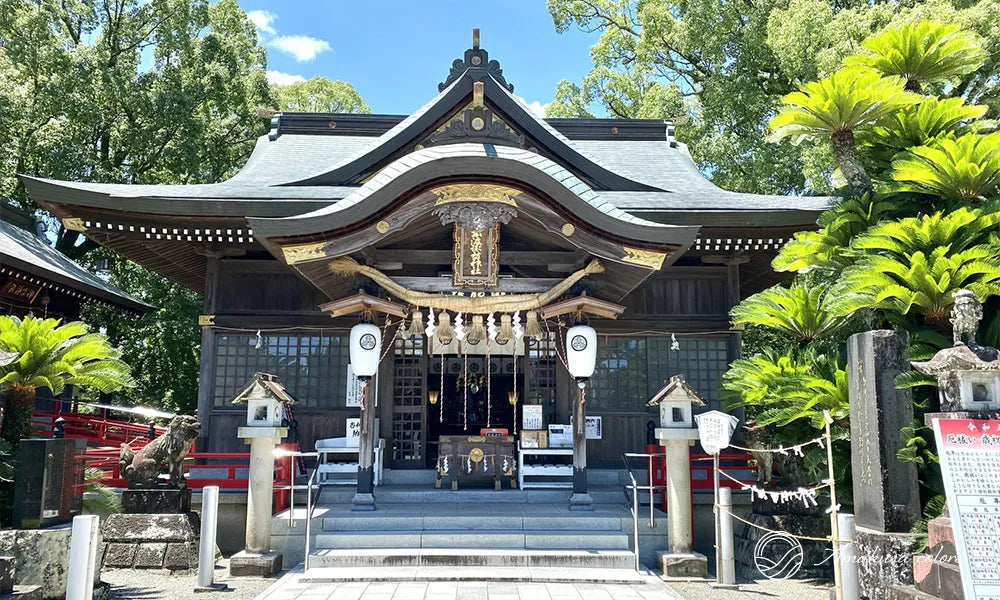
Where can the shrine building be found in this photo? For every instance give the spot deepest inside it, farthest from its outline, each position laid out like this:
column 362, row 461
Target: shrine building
column 477, row 216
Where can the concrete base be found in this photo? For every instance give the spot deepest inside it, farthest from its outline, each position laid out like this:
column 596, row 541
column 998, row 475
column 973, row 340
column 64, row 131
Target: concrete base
column 363, row 502
column 215, row 587
column 581, row 502
column 686, row 565
column 245, row 564
column 142, row 541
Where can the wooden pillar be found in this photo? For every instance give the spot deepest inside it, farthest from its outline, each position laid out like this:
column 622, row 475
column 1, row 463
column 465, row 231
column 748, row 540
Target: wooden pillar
column 364, row 498
column 206, row 373
column 580, row 500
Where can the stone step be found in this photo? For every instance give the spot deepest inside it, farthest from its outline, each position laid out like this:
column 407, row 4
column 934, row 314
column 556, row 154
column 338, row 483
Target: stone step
column 435, row 573
column 388, row 523
column 466, row 557
column 425, row 494
column 485, row 538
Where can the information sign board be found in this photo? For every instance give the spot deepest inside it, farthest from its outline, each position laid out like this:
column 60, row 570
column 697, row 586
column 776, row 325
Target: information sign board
column 969, row 451
column 531, row 416
column 715, row 430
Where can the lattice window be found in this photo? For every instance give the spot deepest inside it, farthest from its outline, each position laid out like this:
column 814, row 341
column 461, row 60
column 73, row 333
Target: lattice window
column 542, row 376
column 620, row 379
column 408, row 400
column 312, row 367
column 701, row 360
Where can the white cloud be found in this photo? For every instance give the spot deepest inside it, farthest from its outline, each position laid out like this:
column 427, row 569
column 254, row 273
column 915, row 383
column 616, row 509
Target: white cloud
column 279, row 78
column 262, row 20
column 538, row 108
column 302, row 47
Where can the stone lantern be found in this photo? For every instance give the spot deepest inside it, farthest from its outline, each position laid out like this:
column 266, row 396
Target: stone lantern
column 265, row 399
column 968, row 374
column 676, row 433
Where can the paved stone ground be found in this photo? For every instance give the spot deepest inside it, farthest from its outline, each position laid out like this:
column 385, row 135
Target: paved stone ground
column 161, row 585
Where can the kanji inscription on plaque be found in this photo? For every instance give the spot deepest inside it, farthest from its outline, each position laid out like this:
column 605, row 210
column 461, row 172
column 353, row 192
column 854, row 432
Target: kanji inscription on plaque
column 969, row 451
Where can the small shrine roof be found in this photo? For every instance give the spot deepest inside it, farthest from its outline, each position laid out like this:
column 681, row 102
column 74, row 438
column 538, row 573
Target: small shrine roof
column 269, row 384
column 677, row 390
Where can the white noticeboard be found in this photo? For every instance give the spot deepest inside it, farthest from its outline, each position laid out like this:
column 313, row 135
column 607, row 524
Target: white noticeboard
column 353, row 388
column 969, row 451
column 531, row 416
column 353, row 433
column 715, row 430
column 593, row 428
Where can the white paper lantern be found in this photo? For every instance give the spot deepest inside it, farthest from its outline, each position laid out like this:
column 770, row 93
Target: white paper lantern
column 366, row 346
column 581, row 351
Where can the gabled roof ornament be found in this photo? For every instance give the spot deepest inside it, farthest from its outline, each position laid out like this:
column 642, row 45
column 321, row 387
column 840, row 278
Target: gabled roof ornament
column 475, row 58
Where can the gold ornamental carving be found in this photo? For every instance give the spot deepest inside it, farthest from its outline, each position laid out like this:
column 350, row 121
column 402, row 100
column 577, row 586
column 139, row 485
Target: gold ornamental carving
column 304, row 252
column 74, row 224
column 206, row 320
column 568, row 229
column 475, row 192
column 382, row 227
column 476, row 455
column 645, row 258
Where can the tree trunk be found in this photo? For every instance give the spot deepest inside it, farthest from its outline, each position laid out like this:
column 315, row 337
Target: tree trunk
column 912, row 85
column 850, row 163
column 17, row 413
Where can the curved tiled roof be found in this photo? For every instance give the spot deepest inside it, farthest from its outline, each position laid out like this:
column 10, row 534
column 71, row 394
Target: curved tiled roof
column 419, row 166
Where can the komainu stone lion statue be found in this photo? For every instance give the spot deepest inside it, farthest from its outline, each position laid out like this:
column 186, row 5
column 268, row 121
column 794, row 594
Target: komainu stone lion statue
column 143, row 468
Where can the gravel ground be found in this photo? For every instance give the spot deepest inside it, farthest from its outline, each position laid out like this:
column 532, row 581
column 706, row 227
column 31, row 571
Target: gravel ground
column 128, row 584
column 765, row 589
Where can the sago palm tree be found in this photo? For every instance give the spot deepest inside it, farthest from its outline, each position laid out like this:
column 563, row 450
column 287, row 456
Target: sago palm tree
column 837, row 107
column 51, row 355
column 957, row 230
column 829, row 247
column 918, row 125
column 922, row 52
column 918, row 284
column 799, row 312
column 964, row 168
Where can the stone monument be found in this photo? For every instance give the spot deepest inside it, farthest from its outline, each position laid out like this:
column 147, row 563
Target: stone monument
column 968, row 377
column 676, row 434
column 265, row 399
column 886, row 493
column 157, row 529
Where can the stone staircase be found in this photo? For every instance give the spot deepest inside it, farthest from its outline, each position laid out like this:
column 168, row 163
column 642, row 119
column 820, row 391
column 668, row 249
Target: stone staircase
column 418, row 527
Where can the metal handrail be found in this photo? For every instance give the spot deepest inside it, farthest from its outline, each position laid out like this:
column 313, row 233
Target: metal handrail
column 309, row 511
column 635, row 496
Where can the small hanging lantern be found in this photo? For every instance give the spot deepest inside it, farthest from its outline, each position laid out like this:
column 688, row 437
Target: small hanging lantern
column 581, row 352
column 433, row 395
column 512, row 398
column 366, row 346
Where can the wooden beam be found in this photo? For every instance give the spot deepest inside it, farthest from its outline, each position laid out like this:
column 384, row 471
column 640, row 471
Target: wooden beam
column 507, row 257
column 516, row 285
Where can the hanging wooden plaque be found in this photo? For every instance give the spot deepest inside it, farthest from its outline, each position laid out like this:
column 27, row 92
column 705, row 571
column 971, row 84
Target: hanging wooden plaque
column 477, row 256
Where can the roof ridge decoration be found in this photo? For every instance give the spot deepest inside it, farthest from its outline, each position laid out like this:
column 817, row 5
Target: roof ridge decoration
column 475, row 122
column 475, row 58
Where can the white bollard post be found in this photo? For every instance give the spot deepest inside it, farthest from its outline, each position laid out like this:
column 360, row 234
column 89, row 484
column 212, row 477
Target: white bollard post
column 209, row 526
column 850, row 572
column 727, row 570
column 82, row 557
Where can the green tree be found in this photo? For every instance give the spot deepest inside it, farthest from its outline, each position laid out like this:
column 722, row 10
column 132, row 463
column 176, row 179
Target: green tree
column 922, row 53
column 52, row 355
column 164, row 347
column 834, row 108
column 161, row 91
column 964, row 168
column 733, row 61
column 319, row 94
column 800, row 312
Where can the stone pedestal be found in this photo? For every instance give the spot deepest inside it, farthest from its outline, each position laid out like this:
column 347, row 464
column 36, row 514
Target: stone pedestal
column 935, row 573
column 156, row 501
column 257, row 558
column 682, row 565
column 252, row 564
column 884, row 560
column 145, row 541
column 680, row 560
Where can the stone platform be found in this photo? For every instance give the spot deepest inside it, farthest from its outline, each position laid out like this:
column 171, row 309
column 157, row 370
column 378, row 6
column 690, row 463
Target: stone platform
column 145, row 541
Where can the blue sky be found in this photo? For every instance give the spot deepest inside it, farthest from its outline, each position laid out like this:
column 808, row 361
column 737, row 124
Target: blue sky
column 396, row 52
